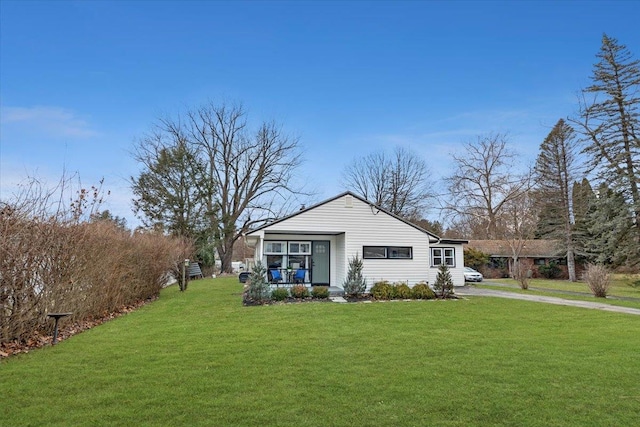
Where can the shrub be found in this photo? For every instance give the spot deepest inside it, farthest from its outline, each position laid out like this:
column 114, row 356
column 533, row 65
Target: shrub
column 423, row 291
column 299, row 291
column 91, row 267
column 475, row 258
column 522, row 272
column 355, row 284
column 279, row 294
column 258, row 289
column 550, row 271
column 598, row 279
column 382, row 290
column 320, row 292
column 402, row 291
column 443, row 284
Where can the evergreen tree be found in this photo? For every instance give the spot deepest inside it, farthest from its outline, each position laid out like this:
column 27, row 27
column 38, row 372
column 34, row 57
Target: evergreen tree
column 583, row 204
column 556, row 169
column 610, row 123
column 355, row 284
column 444, row 283
column 258, row 288
column 609, row 224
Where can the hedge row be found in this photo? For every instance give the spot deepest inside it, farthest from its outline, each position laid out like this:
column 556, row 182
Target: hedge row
column 87, row 268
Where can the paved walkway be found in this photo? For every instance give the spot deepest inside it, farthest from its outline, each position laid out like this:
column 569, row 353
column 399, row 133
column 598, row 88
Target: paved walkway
column 471, row 291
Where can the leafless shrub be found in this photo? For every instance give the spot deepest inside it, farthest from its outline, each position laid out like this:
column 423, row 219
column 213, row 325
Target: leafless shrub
column 53, row 259
column 522, row 272
column 598, row 278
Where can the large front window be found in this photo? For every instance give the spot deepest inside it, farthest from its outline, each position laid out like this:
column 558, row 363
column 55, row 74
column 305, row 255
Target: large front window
column 288, row 257
column 441, row 256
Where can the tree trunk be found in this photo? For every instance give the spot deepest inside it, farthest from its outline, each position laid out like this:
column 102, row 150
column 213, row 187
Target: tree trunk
column 225, row 250
column 571, row 264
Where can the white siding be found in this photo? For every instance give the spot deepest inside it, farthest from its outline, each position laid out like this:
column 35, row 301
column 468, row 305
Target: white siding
column 341, row 260
column 457, row 272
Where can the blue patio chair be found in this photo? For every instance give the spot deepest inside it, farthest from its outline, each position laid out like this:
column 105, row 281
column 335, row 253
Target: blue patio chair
column 300, row 275
column 276, row 277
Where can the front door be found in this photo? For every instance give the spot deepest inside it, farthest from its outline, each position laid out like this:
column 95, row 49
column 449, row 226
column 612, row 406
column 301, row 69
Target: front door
column 320, row 263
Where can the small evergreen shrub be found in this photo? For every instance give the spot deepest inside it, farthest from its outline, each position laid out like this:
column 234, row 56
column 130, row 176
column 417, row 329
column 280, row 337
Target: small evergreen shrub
column 320, row 292
column 549, row 271
column 382, row 290
column 444, row 283
column 299, row 291
column 279, row 294
column 355, row 284
column 402, row 291
column 258, row 288
column 423, row 291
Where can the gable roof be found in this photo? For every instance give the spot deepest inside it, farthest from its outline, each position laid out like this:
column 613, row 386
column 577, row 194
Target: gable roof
column 531, row 248
column 362, row 199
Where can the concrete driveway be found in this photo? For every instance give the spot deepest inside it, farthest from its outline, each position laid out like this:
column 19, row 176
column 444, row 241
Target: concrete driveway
column 472, row 291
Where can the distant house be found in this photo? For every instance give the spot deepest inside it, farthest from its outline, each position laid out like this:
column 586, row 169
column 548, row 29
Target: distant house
column 318, row 242
column 534, row 252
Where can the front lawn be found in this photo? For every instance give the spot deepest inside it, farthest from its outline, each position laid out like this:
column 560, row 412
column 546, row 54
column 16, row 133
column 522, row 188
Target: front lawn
column 201, row 358
column 622, row 292
column 621, row 285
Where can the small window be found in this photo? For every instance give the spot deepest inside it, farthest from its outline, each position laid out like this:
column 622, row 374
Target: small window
column 441, row 256
column 369, row 252
column 387, row 252
column 540, row 261
column 303, row 248
column 400, row 252
column 274, row 247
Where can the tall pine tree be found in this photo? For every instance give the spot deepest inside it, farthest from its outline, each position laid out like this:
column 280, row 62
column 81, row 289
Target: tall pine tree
column 556, row 168
column 610, row 124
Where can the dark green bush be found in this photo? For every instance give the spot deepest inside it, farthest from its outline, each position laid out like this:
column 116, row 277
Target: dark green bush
column 279, row 294
column 423, row 291
column 299, row 291
column 320, row 292
column 382, row 290
column 550, row 271
column 402, row 291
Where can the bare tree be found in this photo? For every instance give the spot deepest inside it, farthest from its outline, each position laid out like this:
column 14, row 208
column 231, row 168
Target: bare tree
column 397, row 182
column 518, row 225
column 483, row 182
column 556, row 169
column 243, row 177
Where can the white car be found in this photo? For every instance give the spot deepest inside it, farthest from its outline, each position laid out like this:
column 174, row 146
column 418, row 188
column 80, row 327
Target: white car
column 471, row 275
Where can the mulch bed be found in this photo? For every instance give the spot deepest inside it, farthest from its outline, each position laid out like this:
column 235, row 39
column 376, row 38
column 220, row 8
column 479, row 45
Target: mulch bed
column 361, row 298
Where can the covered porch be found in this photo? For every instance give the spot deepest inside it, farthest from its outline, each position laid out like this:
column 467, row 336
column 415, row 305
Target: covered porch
column 300, row 258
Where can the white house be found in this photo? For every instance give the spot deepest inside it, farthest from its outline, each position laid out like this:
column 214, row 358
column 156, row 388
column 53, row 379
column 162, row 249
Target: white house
column 317, row 243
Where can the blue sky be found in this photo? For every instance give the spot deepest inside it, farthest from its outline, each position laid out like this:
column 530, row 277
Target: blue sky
column 81, row 80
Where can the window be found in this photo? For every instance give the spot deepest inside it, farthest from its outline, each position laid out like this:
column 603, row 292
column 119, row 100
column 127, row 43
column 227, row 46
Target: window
column 275, row 247
column 303, row 248
column 400, row 252
column 275, row 261
column 370, row 252
column 441, row 256
column 387, row 252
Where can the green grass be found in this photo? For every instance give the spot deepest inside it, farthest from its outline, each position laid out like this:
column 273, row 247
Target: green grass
column 200, row 358
column 622, row 287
